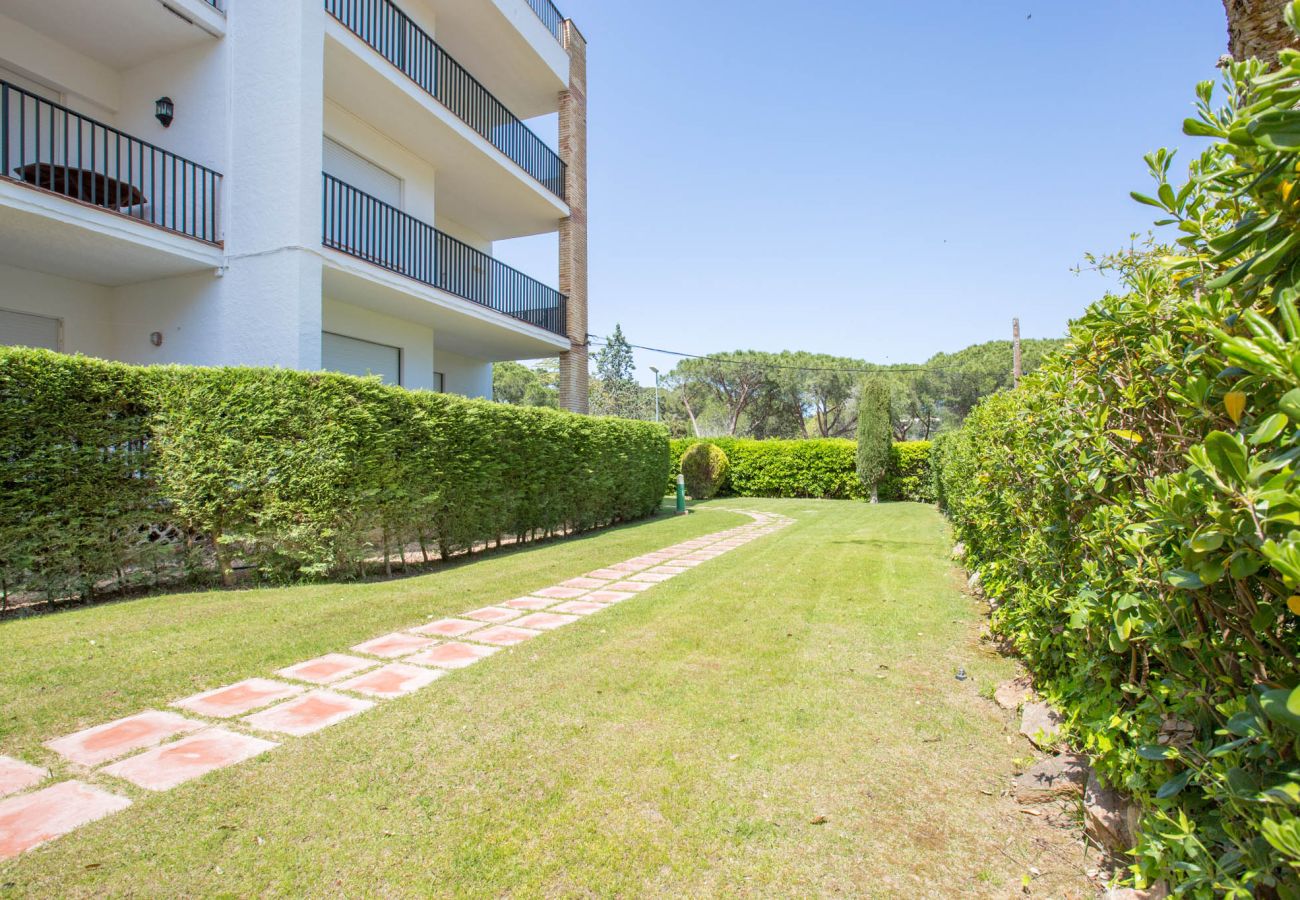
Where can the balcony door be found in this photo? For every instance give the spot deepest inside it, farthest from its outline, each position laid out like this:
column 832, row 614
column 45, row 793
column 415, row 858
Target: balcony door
column 367, row 226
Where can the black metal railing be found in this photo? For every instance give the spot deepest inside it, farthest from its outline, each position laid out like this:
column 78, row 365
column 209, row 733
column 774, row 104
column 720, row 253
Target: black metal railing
column 392, row 34
column 53, row 148
column 368, row 228
column 549, row 15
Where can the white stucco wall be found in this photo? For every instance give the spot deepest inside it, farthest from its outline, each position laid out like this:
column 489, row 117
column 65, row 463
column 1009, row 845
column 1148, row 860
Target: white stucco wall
column 89, row 86
column 464, row 375
column 86, row 310
column 195, row 79
column 186, row 311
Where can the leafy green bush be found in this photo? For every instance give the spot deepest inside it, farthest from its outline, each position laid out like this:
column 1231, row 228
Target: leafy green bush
column 908, row 475
column 705, row 469
column 819, row 468
column 298, row 474
column 1134, row 509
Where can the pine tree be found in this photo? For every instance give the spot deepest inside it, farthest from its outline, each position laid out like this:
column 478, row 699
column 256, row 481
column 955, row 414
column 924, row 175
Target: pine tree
column 615, row 372
column 875, row 435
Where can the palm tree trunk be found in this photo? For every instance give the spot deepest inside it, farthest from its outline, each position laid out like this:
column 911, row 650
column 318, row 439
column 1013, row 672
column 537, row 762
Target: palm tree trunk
column 1256, row 28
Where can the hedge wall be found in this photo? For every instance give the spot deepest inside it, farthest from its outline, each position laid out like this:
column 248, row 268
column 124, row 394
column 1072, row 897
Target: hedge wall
column 823, row 469
column 1133, row 511
column 298, row 474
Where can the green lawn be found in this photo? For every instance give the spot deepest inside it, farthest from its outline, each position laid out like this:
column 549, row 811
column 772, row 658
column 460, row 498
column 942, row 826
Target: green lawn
column 678, row 744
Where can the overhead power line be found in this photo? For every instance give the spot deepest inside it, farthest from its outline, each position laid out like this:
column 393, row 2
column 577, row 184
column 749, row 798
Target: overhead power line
column 597, row 339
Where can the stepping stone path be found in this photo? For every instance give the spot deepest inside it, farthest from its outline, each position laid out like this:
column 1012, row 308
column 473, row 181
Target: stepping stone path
column 158, row 750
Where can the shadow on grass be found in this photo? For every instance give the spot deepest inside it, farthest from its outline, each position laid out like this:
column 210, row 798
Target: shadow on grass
column 407, row 570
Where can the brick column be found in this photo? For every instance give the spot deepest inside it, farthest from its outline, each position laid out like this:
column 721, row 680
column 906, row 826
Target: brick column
column 573, row 230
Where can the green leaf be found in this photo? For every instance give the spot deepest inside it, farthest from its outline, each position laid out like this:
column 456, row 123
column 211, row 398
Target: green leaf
column 1269, row 429
column 1156, row 753
column 1279, row 131
column 1274, row 703
column 1290, row 404
column 1207, row 542
column 1293, row 702
column 1184, row 580
column 1228, row 455
column 1174, row 786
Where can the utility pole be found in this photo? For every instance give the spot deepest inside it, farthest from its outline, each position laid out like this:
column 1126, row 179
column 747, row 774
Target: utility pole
column 656, row 371
column 1015, row 353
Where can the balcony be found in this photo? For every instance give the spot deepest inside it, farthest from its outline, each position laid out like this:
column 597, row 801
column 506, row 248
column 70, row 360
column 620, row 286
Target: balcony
column 388, row 31
column 366, row 228
column 51, row 148
column 549, row 15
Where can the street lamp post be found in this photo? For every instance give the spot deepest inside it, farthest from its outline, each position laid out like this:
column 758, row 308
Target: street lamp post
column 656, row 371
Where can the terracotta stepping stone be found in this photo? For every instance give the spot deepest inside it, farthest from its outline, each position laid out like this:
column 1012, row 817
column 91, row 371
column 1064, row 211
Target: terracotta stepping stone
column 237, row 699
column 494, row 615
column 579, row 607
column 644, row 562
column 448, row 627
column 606, row 574
column 628, row 568
column 669, row 570
column 393, row 680
column 530, row 603
column 505, row 635
column 560, row 593
column 32, row 819
column 687, row 563
column 391, row 646
column 608, row 596
column 163, row 768
column 309, row 713
column 327, row 668
column 104, row 742
column 16, row 775
column 635, row 587
column 588, row 584
column 545, row 621
column 452, row 655
column 651, row 577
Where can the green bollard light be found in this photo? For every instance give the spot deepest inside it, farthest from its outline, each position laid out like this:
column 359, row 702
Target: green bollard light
column 681, row 495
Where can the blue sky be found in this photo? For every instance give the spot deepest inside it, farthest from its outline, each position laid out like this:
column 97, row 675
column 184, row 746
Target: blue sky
column 868, row 179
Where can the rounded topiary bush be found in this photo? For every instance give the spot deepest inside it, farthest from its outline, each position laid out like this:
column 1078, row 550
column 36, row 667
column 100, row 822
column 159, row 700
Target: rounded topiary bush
column 705, row 468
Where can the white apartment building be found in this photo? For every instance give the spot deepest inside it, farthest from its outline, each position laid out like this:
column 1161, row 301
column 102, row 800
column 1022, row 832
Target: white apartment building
column 311, row 184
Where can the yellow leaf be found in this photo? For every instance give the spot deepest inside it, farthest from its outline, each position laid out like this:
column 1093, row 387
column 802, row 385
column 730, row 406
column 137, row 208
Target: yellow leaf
column 1235, row 403
column 1131, row 436
column 1293, row 604
column 1287, row 188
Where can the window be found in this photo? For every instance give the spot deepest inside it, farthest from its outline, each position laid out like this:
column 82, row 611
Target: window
column 27, row 330
column 353, row 356
column 440, row 382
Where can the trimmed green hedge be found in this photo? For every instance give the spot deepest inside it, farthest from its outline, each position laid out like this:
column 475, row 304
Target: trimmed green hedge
column 298, row 474
column 1133, row 511
column 823, row 469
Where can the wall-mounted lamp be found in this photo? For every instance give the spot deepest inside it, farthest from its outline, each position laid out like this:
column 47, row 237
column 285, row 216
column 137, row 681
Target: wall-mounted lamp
column 156, row 338
column 165, row 111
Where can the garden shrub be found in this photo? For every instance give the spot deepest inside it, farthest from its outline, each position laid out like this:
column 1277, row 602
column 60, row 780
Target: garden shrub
column 704, row 467
column 1134, row 509
column 908, row 474
column 817, row 468
column 300, row 474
